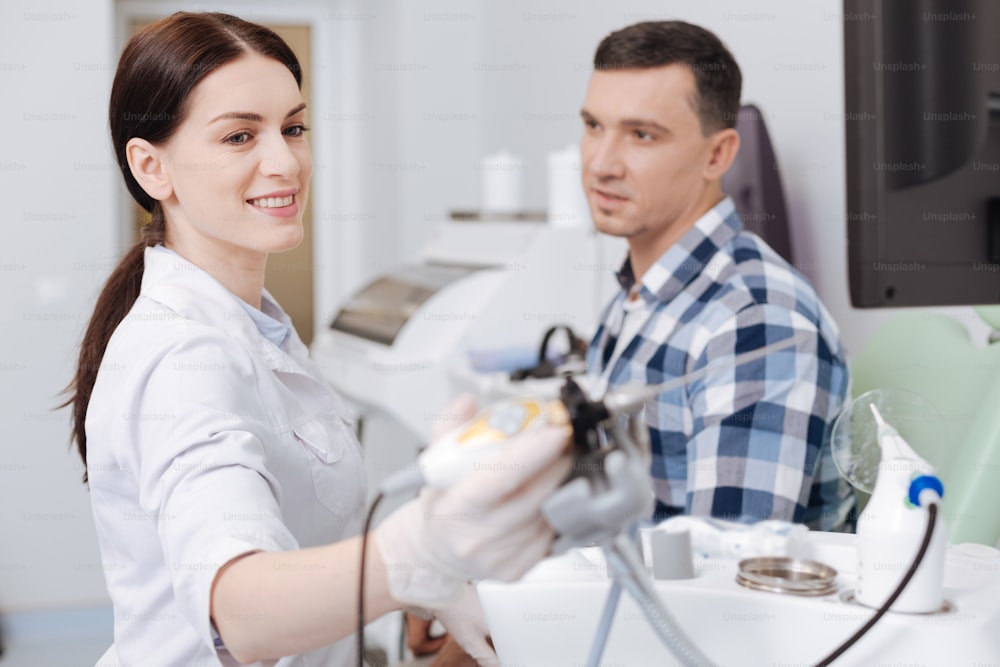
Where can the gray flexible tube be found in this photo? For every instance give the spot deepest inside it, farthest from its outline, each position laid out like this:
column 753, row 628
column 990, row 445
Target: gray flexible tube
column 604, row 629
column 610, row 603
column 627, row 569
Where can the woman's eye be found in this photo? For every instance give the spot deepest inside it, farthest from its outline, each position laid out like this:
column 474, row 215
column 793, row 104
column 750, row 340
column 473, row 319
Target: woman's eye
column 296, row 130
column 643, row 135
column 238, row 139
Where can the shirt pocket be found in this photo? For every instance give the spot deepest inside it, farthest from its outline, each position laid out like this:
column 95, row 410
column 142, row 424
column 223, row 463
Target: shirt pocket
column 325, row 442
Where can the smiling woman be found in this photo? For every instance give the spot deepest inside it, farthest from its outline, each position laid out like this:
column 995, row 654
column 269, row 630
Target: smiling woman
column 233, row 177
column 225, row 476
column 291, row 275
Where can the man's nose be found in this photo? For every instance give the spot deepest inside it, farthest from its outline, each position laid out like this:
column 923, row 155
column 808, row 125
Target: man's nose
column 605, row 157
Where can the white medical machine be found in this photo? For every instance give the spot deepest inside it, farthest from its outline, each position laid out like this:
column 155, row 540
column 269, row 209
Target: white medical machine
column 777, row 593
column 401, row 345
column 549, row 617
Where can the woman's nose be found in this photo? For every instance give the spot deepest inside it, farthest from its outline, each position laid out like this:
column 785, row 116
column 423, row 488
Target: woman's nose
column 277, row 158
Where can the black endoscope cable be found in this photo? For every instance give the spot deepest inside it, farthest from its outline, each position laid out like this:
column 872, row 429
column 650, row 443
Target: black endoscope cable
column 931, row 519
column 361, row 577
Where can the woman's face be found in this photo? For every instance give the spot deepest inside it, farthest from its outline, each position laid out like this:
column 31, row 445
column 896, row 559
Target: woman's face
column 239, row 165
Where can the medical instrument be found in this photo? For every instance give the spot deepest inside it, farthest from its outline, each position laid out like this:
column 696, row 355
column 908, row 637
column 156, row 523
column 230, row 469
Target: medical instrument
column 891, row 527
column 474, row 443
column 923, row 489
column 629, row 396
column 608, row 491
column 546, row 367
column 905, row 498
column 607, row 494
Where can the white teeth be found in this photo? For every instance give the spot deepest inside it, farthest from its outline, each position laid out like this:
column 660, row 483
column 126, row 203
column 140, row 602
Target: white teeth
column 273, row 202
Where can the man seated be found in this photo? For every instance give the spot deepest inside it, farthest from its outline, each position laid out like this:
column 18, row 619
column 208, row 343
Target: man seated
column 745, row 443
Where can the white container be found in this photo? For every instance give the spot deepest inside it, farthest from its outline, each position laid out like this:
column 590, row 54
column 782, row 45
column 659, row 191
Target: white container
column 890, row 531
column 567, row 205
column 503, row 182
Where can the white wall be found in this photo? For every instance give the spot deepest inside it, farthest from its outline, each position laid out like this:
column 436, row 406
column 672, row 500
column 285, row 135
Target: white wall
column 521, row 68
column 64, row 233
column 413, row 95
column 58, row 239
column 418, row 127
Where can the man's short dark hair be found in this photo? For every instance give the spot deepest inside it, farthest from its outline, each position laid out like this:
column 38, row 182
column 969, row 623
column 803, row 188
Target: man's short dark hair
column 657, row 43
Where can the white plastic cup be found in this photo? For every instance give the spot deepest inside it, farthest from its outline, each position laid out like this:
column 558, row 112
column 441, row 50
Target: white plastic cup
column 667, row 553
column 567, row 205
column 503, row 182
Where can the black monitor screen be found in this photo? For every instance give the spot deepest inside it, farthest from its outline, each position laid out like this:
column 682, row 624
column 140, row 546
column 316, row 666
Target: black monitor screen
column 922, row 116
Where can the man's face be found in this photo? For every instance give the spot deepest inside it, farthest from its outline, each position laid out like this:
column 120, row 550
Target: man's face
column 644, row 154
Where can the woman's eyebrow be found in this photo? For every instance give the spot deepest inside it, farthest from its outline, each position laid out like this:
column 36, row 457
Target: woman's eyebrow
column 255, row 117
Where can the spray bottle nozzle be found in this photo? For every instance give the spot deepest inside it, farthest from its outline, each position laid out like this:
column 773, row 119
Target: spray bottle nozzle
column 878, row 416
column 924, row 488
column 894, row 447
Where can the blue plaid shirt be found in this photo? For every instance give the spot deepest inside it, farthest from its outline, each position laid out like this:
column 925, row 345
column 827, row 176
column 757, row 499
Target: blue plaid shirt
column 745, row 443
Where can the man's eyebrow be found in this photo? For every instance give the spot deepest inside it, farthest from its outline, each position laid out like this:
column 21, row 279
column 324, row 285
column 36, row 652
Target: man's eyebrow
column 630, row 123
column 643, row 123
column 254, row 117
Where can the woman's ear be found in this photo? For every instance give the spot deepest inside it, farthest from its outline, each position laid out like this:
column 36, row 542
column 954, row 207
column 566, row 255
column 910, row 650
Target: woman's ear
column 146, row 162
column 725, row 145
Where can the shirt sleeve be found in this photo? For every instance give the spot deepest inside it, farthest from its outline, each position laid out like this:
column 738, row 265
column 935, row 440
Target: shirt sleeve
column 201, row 466
column 758, row 427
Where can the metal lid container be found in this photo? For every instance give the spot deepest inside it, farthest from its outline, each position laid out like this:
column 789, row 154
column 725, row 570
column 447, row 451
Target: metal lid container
column 787, row 575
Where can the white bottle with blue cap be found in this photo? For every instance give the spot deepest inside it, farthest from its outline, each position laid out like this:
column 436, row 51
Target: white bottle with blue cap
column 892, row 527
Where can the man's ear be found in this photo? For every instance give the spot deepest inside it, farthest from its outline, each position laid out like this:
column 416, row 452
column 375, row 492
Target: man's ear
column 146, row 162
column 724, row 146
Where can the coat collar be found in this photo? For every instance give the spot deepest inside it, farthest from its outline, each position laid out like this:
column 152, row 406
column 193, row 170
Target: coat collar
column 196, row 295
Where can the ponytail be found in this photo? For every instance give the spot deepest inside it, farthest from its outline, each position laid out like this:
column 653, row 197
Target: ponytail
column 116, row 299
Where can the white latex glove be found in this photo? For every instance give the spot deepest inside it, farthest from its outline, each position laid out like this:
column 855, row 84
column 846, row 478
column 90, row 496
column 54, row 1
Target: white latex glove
column 487, row 525
column 467, row 626
column 463, row 619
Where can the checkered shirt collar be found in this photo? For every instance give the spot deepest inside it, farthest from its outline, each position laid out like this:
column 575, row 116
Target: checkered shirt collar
column 684, row 260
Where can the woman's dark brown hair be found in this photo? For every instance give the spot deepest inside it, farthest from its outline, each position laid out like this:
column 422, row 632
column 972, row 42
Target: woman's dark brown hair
column 159, row 68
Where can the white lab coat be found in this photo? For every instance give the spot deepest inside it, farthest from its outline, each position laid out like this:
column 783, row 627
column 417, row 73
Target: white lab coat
column 207, row 441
